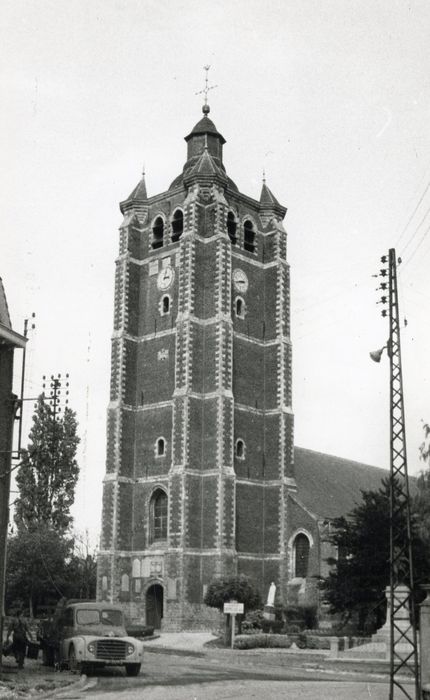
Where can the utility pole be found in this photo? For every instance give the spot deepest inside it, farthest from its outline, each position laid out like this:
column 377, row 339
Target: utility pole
column 403, row 634
column 54, row 397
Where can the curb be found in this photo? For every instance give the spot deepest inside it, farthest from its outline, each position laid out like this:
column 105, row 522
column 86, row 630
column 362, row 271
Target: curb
column 155, row 649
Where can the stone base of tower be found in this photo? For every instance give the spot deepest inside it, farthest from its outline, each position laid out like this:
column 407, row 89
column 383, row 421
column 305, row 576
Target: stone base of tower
column 191, row 617
column 148, row 596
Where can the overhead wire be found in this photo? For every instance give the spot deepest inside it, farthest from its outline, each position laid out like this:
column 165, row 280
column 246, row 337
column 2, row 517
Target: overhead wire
column 417, row 247
column 411, row 239
column 405, row 247
column 413, row 214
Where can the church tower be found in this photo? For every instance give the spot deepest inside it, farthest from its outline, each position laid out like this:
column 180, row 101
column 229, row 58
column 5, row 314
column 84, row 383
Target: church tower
column 200, row 425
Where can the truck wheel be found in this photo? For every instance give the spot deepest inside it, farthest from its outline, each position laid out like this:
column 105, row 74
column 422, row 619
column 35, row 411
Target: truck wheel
column 132, row 669
column 74, row 665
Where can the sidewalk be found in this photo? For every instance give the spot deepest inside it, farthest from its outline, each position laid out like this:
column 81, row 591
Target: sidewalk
column 181, row 641
column 34, row 680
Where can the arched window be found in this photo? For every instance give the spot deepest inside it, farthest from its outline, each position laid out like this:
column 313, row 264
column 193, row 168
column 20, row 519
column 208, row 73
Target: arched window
column 240, row 449
column 158, row 233
column 301, row 555
column 239, row 307
column 125, row 583
column 165, row 307
column 248, row 236
column 160, row 448
column 158, row 514
column 177, row 225
column 232, row 227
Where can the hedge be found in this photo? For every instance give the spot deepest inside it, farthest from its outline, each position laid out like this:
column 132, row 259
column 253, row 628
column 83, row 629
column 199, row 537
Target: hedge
column 255, row 641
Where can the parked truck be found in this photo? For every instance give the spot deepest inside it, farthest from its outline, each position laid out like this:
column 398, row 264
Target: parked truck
column 88, row 635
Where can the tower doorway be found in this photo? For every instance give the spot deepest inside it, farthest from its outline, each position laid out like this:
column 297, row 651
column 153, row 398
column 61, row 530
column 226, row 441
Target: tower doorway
column 154, row 606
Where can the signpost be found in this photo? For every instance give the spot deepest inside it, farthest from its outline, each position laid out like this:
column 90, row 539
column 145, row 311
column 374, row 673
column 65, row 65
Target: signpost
column 233, row 608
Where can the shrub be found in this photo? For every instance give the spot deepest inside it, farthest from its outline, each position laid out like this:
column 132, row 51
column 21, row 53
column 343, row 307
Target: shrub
column 300, row 618
column 255, row 641
column 316, row 641
column 253, row 622
column 239, row 588
column 256, row 622
column 274, row 626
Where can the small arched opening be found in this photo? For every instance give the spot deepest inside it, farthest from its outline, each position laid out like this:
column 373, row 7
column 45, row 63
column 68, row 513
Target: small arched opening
column 177, row 225
column 249, row 236
column 166, row 305
column 158, row 233
column 161, row 447
column 232, row 228
column 240, row 449
column 240, row 307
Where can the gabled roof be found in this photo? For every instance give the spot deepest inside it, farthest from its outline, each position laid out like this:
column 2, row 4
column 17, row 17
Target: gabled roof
column 4, row 310
column 7, row 335
column 330, row 486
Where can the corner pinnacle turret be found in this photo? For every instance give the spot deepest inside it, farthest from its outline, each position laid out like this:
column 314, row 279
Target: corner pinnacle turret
column 268, row 202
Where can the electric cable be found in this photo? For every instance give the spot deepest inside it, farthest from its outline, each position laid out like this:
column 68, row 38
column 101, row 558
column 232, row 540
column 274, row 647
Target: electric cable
column 413, row 214
column 422, row 239
column 405, row 247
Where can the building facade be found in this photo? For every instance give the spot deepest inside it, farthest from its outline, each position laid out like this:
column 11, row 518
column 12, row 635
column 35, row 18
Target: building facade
column 199, row 466
column 202, row 476
column 9, row 405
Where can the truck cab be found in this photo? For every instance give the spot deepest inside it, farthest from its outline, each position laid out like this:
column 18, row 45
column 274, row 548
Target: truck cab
column 84, row 635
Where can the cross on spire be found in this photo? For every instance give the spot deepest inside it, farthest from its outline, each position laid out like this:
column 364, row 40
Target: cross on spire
column 207, row 87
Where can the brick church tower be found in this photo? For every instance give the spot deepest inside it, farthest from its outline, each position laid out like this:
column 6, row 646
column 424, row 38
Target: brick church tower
column 200, row 425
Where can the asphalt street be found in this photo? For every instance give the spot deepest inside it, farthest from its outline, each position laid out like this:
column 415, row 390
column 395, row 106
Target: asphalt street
column 215, row 676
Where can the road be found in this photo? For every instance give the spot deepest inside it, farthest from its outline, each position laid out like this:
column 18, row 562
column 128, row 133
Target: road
column 218, row 676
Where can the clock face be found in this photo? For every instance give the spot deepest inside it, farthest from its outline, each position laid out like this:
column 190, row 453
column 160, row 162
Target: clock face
column 240, row 280
column 165, row 278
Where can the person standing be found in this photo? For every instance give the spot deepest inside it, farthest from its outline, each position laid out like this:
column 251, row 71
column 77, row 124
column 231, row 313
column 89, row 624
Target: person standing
column 19, row 630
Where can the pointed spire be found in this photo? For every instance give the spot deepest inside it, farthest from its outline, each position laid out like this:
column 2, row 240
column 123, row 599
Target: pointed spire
column 266, row 196
column 205, row 169
column 269, row 205
column 139, row 191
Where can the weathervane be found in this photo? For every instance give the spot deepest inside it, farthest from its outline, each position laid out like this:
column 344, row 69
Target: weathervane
column 207, row 87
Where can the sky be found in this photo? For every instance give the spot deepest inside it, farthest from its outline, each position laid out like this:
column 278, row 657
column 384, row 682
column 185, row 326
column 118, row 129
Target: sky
column 331, row 98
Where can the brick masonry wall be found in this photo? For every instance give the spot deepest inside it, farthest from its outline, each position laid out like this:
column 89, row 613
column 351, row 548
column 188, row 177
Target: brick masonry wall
column 200, row 377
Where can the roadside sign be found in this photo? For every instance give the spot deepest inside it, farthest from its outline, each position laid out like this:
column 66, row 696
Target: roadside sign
column 233, row 608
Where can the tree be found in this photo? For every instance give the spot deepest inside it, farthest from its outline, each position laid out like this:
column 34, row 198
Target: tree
column 356, row 584
column 237, row 588
column 49, row 471
column 42, row 564
column 421, row 501
column 36, row 567
column 81, row 570
column 425, row 445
